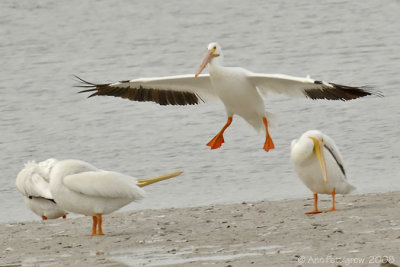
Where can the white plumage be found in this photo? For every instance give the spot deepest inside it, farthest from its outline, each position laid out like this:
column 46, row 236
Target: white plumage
column 80, row 187
column 33, row 183
column 319, row 164
column 240, row 91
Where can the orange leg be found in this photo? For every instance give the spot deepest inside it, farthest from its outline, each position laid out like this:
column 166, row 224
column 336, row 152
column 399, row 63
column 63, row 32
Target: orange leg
column 269, row 144
column 94, row 225
column 100, row 224
column 333, row 201
column 315, row 211
column 217, row 141
column 44, row 218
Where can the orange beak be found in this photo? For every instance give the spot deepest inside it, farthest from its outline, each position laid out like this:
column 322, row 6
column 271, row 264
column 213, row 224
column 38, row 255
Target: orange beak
column 146, row 182
column 318, row 150
column 210, row 54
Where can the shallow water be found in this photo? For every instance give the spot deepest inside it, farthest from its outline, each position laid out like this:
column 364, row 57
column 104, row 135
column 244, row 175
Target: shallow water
column 44, row 43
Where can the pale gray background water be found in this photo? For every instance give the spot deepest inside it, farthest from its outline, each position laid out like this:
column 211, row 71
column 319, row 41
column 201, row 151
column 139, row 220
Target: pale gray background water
column 43, row 43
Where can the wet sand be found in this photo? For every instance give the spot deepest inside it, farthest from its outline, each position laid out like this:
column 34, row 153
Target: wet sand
column 269, row 233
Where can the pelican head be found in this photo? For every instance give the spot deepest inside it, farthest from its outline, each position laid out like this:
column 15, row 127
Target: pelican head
column 214, row 51
column 311, row 141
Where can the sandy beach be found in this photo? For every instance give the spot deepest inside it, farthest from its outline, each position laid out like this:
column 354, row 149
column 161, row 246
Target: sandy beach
column 365, row 229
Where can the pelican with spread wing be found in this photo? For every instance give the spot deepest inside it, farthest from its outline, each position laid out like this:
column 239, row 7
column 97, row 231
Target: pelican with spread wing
column 240, row 90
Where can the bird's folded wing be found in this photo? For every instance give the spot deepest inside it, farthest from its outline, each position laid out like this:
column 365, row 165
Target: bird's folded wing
column 329, row 144
column 104, row 184
column 170, row 90
column 307, row 87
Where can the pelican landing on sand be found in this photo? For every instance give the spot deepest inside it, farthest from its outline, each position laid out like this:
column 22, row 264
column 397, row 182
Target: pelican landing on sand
column 240, row 90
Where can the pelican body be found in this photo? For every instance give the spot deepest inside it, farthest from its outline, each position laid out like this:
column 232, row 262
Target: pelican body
column 230, row 84
column 239, row 90
column 80, row 187
column 33, row 183
column 319, row 164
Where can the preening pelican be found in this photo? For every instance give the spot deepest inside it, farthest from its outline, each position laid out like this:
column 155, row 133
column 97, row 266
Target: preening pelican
column 79, row 187
column 319, row 164
column 33, row 183
column 239, row 89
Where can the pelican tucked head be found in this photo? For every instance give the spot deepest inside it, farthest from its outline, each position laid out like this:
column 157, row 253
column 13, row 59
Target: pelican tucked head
column 45, row 167
column 214, row 50
column 311, row 144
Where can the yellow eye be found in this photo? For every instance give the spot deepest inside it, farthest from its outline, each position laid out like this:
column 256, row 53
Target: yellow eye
column 214, row 48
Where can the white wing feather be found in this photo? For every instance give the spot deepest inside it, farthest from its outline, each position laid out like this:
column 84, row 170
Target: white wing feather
column 285, row 84
column 104, row 184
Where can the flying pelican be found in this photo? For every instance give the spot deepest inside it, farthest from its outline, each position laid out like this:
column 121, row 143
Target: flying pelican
column 33, row 183
column 319, row 164
column 79, row 187
column 239, row 89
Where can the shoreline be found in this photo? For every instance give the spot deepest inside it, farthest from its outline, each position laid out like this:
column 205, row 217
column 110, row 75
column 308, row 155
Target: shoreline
column 363, row 230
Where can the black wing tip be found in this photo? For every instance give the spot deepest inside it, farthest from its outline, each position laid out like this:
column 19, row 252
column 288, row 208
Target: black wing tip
column 86, row 83
column 372, row 91
column 334, row 91
column 368, row 90
column 88, row 90
column 365, row 90
column 91, row 87
column 140, row 94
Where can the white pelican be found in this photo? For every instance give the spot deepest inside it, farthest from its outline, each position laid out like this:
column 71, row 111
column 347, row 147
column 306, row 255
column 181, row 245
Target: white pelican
column 239, row 89
column 33, row 183
column 319, row 164
column 79, row 187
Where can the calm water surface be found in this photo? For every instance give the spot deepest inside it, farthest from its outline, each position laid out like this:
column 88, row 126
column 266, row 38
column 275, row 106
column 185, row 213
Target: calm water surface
column 44, row 43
